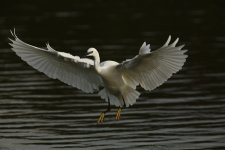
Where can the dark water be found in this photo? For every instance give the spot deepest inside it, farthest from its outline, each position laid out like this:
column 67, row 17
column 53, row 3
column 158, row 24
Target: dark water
column 187, row 112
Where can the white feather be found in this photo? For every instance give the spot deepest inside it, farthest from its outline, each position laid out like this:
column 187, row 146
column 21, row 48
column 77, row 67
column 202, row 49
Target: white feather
column 144, row 49
column 153, row 69
column 72, row 70
column 148, row 69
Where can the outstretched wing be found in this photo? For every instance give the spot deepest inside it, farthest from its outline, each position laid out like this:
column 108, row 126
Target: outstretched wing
column 69, row 69
column 152, row 69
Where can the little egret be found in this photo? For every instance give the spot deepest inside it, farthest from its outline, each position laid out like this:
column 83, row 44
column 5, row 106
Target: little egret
column 149, row 69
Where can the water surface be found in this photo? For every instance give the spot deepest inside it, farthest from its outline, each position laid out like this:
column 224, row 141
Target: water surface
column 187, row 112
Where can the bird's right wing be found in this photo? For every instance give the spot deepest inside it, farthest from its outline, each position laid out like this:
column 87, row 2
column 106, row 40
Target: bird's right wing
column 69, row 69
column 151, row 69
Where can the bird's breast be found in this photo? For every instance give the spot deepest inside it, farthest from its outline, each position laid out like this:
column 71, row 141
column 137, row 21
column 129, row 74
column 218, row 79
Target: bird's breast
column 112, row 78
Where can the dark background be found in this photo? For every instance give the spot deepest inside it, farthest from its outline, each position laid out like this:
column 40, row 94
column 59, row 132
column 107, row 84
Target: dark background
column 187, row 112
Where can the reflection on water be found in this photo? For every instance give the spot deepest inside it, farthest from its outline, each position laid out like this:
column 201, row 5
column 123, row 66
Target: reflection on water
column 188, row 112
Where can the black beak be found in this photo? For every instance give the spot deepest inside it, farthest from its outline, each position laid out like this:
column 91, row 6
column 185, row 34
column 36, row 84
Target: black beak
column 87, row 53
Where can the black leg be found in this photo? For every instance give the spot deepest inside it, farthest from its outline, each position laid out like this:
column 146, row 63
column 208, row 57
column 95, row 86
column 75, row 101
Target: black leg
column 120, row 109
column 102, row 115
column 109, row 107
column 124, row 104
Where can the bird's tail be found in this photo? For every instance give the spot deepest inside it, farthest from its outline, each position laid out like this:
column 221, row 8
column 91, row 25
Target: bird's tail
column 130, row 96
column 104, row 94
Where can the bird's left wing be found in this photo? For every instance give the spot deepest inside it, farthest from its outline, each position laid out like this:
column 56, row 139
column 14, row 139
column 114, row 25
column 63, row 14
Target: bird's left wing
column 69, row 69
column 151, row 69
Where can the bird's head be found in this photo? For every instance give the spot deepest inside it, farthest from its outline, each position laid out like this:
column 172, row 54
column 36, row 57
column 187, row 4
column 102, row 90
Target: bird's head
column 92, row 52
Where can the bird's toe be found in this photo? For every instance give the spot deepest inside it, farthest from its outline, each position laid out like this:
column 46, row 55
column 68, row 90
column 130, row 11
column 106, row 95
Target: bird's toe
column 118, row 114
column 101, row 118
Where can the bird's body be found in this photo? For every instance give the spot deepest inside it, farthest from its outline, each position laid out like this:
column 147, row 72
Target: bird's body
column 111, row 77
column 119, row 80
column 113, row 81
column 116, row 89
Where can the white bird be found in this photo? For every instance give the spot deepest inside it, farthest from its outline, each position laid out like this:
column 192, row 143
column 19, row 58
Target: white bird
column 147, row 69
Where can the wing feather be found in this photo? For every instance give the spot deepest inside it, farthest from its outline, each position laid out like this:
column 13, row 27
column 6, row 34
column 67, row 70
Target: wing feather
column 152, row 69
column 144, row 49
column 72, row 70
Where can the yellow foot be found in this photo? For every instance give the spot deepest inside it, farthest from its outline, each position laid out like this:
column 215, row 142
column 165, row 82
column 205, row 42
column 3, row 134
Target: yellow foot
column 118, row 114
column 101, row 118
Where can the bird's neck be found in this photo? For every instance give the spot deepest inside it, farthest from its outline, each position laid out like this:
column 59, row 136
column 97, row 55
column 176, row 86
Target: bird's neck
column 97, row 63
